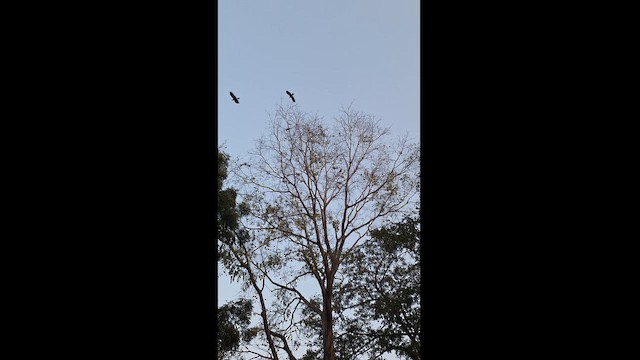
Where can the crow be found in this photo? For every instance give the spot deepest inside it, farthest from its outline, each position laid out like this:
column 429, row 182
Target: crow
column 291, row 96
column 234, row 97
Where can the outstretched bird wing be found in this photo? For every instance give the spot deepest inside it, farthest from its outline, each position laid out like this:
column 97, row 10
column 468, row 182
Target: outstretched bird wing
column 291, row 96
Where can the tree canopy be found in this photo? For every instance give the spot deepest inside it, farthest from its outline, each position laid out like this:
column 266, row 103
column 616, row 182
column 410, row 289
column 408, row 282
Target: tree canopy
column 314, row 200
column 234, row 317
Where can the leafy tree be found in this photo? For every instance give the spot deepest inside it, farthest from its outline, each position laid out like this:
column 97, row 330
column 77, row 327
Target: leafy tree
column 383, row 291
column 234, row 317
column 311, row 194
column 227, row 212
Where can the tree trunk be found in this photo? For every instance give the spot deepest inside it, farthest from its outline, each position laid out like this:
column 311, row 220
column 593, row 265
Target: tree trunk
column 327, row 325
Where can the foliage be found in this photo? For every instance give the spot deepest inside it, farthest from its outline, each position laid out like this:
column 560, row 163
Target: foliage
column 311, row 194
column 383, row 290
column 227, row 212
column 233, row 326
column 234, row 317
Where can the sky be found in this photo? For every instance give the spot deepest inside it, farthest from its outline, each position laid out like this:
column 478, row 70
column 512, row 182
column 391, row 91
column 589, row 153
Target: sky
column 330, row 54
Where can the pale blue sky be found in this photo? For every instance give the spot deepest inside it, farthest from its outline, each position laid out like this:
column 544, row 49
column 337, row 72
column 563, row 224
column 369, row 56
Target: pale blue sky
column 328, row 53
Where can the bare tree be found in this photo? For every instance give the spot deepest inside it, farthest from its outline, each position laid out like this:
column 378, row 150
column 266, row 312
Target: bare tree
column 312, row 193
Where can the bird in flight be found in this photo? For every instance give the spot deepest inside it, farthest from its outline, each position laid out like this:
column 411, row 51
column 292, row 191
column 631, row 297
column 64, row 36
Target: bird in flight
column 234, row 98
column 291, row 96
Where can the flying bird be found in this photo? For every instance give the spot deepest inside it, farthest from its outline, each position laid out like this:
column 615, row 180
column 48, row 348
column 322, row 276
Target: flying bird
column 291, row 96
column 234, row 98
